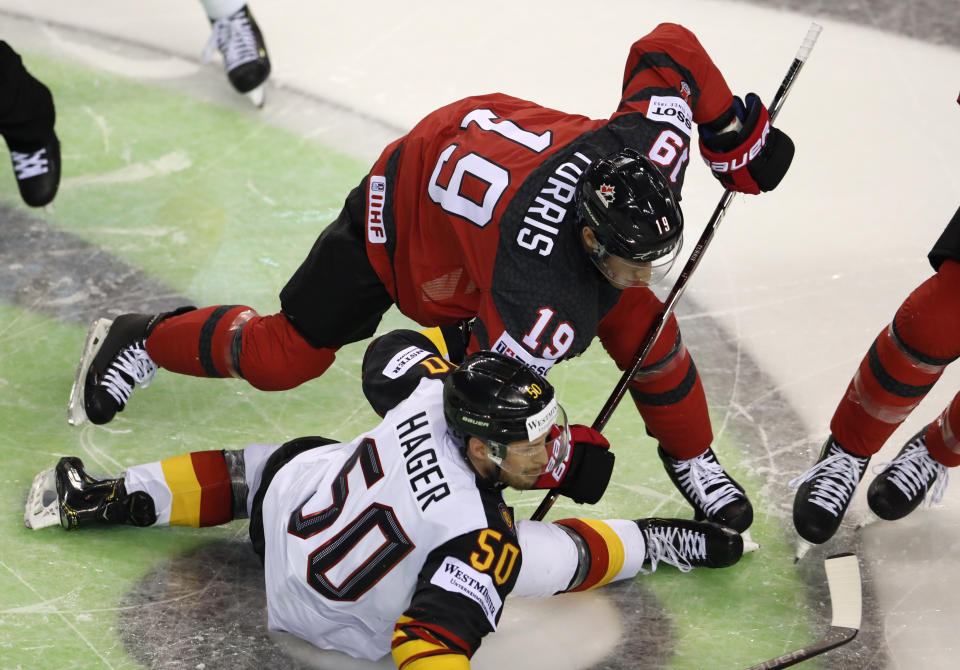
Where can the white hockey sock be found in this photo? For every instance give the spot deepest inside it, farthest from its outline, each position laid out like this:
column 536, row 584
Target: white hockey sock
column 220, row 9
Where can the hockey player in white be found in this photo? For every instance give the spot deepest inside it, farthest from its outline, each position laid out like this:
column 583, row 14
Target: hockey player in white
column 400, row 540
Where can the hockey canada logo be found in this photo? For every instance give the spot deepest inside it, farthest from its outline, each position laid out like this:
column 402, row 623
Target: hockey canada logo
column 606, row 193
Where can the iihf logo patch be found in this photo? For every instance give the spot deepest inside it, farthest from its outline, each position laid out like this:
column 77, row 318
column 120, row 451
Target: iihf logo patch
column 606, row 193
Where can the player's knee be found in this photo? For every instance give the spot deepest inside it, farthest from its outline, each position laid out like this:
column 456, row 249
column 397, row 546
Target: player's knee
column 928, row 321
column 272, row 356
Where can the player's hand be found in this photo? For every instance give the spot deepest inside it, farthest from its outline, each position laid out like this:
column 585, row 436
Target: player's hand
column 752, row 157
column 584, row 475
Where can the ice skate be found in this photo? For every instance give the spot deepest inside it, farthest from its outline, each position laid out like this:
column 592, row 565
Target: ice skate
column 245, row 59
column 824, row 492
column 43, row 506
column 37, row 169
column 904, row 482
column 712, row 493
column 114, row 360
column 69, row 496
column 687, row 544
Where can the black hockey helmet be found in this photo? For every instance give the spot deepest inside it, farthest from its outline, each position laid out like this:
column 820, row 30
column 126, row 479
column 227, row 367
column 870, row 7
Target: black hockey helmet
column 500, row 400
column 628, row 204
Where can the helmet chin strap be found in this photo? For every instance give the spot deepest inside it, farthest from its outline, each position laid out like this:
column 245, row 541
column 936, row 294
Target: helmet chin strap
column 462, row 441
column 497, row 461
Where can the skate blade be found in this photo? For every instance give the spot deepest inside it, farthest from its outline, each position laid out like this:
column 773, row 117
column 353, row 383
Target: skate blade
column 43, row 503
column 257, row 96
column 748, row 544
column 869, row 521
column 76, row 412
column 802, row 548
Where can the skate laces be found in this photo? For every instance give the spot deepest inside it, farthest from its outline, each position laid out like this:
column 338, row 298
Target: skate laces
column 704, row 478
column 914, row 470
column 132, row 367
column 26, row 165
column 675, row 546
column 235, row 39
column 836, row 477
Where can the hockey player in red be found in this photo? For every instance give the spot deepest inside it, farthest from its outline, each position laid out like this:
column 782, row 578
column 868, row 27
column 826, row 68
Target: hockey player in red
column 400, row 541
column 899, row 369
column 541, row 229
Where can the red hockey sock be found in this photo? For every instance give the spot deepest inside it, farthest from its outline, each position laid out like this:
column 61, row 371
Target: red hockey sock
column 943, row 435
column 667, row 390
column 199, row 484
column 669, row 395
column 233, row 341
column 903, row 363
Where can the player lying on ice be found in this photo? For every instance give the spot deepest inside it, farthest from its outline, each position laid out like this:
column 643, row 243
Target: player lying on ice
column 542, row 228
column 400, row 539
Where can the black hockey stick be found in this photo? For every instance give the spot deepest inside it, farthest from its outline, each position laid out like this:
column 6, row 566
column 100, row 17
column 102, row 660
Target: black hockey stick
column 843, row 582
column 661, row 319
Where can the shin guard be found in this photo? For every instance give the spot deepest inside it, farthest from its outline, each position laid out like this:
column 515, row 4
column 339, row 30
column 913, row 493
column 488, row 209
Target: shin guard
column 669, row 396
column 611, row 550
column 943, row 435
column 667, row 390
column 192, row 489
column 902, row 365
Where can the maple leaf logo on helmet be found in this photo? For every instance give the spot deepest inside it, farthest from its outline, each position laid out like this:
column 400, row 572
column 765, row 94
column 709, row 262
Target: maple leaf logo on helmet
column 606, row 193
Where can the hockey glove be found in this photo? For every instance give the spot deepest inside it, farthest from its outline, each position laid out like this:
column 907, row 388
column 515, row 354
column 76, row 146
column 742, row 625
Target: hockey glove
column 743, row 150
column 585, row 473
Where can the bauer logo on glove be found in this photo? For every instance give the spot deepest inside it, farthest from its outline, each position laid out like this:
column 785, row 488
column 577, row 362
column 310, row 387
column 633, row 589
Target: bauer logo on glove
column 743, row 150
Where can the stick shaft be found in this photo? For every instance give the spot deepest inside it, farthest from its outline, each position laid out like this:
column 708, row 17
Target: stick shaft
column 678, row 288
column 834, row 637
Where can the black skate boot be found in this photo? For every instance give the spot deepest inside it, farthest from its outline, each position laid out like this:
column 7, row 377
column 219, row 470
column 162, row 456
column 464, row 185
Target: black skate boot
column 824, row 492
column 240, row 42
column 29, row 116
column 905, row 481
column 66, row 493
column 37, row 169
column 85, row 501
column 112, row 362
column 712, row 493
column 687, row 544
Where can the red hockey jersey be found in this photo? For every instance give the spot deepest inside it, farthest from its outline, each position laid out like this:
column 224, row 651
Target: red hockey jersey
column 472, row 213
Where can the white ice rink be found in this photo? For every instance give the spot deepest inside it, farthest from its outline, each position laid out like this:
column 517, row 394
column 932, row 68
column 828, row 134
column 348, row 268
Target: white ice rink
column 802, row 279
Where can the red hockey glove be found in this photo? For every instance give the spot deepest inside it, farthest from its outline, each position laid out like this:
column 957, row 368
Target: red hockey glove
column 584, row 475
column 753, row 158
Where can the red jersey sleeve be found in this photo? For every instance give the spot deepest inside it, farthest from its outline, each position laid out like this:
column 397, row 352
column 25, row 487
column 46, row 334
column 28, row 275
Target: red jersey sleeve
column 671, row 56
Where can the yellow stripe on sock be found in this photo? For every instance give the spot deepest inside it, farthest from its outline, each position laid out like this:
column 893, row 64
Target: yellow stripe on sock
column 183, row 484
column 615, row 550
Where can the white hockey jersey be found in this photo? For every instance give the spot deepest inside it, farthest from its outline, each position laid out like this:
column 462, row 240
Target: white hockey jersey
column 392, row 523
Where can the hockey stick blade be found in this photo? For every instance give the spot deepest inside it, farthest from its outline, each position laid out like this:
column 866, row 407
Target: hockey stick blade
column 843, row 583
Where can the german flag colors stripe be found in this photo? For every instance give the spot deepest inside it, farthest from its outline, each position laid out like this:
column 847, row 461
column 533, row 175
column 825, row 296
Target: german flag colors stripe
column 200, row 485
column 606, row 551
